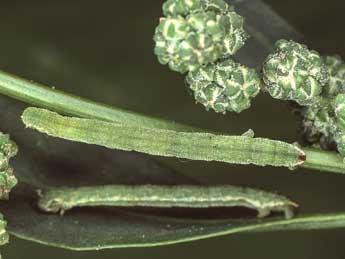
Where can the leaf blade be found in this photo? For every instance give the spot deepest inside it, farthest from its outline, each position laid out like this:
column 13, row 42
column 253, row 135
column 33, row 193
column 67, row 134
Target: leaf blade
column 122, row 228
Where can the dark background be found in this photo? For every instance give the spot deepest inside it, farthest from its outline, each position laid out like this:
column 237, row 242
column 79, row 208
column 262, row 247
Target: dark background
column 103, row 50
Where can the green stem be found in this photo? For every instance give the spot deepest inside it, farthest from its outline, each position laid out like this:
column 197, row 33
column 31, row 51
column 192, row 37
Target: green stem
column 52, row 99
column 325, row 161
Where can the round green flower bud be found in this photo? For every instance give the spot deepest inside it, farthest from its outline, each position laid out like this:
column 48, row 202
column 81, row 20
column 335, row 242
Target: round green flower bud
column 224, row 86
column 185, row 7
column 295, row 73
column 336, row 70
column 187, row 43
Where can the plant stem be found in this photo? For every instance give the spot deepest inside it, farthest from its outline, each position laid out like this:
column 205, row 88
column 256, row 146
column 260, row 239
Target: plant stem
column 50, row 98
column 325, row 161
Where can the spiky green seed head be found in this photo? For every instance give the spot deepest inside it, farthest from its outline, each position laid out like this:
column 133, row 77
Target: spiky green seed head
column 3, row 161
column 341, row 147
column 339, row 108
column 200, row 38
column 7, row 182
column 224, row 86
column 340, row 141
column 336, row 70
column 7, row 146
column 8, row 149
column 293, row 72
column 319, row 122
column 4, row 237
column 186, row 7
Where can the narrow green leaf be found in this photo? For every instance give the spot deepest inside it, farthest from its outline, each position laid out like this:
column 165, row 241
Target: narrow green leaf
column 94, row 229
column 195, row 146
column 47, row 97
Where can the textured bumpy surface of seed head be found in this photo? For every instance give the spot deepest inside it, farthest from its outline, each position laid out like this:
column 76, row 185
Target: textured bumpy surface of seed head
column 224, row 86
column 325, row 124
column 319, row 124
column 293, row 72
column 339, row 108
column 202, row 33
column 185, row 7
column 340, row 141
column 4, row 237
column 8, row 149
column 336, row 70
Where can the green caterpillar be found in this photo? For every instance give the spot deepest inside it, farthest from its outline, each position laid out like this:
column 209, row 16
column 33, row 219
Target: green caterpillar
column 200, row 36
column 62, row 199
column 168, row 143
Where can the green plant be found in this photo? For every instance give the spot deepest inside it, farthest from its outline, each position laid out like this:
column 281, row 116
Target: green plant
column 198, row 37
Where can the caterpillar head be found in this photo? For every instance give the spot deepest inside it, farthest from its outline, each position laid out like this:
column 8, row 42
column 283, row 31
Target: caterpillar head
column 293, row 72
column 224, row 86
column 188, row 42
column 47, row 204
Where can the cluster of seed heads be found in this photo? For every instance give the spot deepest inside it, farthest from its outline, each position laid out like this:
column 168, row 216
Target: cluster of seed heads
column 316, row 83
column 324, row 116
column 199, row 37
column 8, row 149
